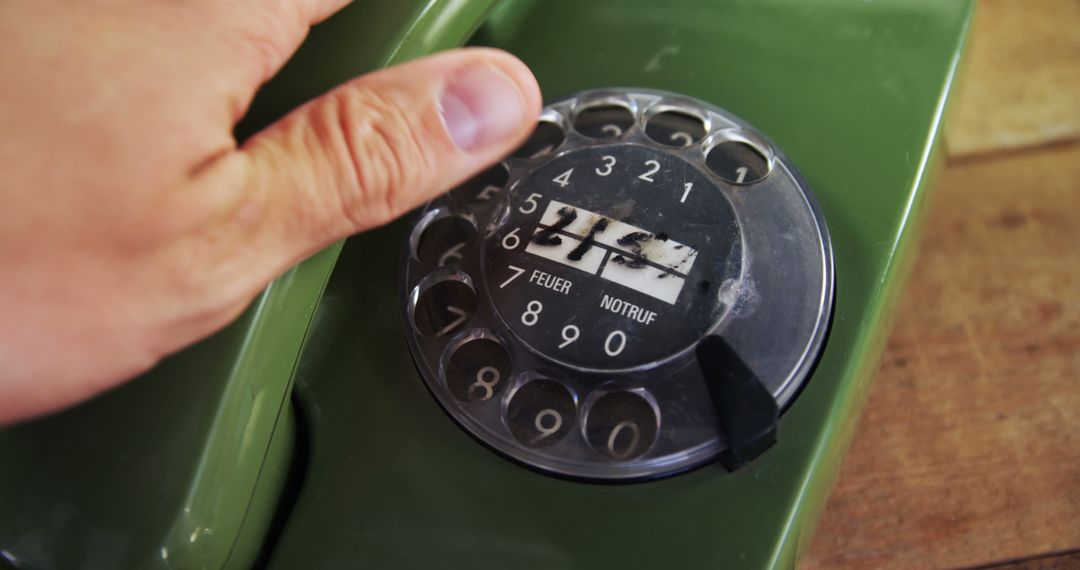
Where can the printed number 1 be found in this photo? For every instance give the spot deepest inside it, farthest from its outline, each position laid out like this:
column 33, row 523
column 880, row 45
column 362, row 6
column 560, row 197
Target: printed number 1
column 686, row 191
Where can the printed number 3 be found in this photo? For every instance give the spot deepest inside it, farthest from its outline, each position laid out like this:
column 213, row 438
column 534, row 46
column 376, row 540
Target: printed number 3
column 609, row 161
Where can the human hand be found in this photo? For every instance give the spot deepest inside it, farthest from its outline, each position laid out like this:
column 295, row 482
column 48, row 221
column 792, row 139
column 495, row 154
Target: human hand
column 131, row 224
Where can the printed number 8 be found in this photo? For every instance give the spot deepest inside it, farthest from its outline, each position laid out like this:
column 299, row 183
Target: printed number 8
column 531, row 314
column 488, row 386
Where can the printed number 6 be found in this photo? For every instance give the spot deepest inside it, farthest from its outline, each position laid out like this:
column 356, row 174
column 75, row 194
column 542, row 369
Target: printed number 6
column 510, row 241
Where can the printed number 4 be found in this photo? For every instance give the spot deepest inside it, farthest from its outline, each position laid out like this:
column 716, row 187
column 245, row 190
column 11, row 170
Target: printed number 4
column 563, row 179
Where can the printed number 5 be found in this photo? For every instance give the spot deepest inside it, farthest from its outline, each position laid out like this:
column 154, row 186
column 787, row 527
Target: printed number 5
column 531, row 203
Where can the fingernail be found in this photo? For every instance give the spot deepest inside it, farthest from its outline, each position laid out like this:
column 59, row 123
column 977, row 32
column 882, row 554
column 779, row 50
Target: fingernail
column 481, row 106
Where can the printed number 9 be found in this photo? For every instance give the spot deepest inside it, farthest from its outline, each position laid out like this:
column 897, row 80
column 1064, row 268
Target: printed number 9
column 544, row 432
column 570, row 333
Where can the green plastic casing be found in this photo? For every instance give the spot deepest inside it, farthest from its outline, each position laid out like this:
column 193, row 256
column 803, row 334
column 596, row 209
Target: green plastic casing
column 301, row 436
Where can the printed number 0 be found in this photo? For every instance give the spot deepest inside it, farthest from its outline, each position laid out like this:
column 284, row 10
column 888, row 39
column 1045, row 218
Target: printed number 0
column 614, row 351
column 609, row 161
column 488, row 386
column 531, row 315
column 634, row 439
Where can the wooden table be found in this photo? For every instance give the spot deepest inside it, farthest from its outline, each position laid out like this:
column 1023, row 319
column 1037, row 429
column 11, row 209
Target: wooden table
column 968, row 451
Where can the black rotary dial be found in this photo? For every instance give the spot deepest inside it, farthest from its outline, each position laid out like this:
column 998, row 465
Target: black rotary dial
column 640, row 288
column 613, row 257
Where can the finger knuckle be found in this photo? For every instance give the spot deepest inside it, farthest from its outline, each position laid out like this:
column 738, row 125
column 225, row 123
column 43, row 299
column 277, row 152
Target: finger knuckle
column 268, row 41
column 383, row 153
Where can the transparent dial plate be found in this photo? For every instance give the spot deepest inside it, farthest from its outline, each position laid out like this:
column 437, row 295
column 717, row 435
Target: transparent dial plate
column 554, row 302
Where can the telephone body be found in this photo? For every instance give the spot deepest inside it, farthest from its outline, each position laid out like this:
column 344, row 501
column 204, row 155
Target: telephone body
column 303, row 435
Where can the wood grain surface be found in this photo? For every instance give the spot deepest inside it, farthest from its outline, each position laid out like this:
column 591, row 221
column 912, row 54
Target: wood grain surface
column 1020, row 85
column 968, row 451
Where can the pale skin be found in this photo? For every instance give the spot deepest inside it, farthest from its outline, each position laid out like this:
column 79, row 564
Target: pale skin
column 132, row 224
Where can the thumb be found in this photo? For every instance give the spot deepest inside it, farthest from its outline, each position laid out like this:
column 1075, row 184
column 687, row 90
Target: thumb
column 380, row 145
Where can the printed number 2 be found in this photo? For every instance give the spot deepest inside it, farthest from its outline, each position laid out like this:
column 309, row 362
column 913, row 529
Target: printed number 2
column 647, row 175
